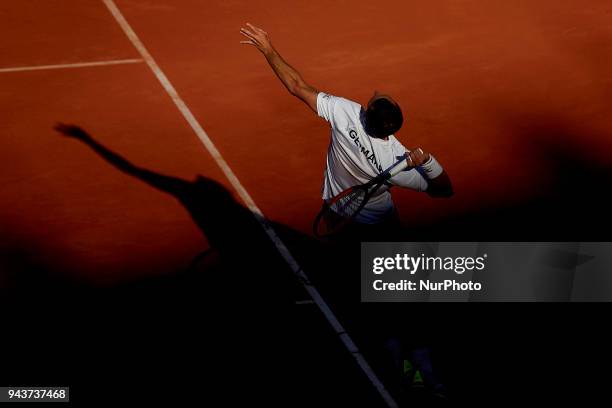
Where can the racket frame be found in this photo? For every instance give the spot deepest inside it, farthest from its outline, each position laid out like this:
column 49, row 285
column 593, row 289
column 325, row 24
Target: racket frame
column 371, row 186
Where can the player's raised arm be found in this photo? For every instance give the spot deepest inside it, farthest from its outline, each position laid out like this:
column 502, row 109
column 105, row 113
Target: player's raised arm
column 292, row 79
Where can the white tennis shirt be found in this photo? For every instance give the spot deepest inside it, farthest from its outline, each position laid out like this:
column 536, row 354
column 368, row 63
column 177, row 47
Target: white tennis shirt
column 355, row 158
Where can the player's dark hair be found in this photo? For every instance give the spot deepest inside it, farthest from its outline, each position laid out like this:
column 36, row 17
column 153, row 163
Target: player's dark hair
column 383, row 118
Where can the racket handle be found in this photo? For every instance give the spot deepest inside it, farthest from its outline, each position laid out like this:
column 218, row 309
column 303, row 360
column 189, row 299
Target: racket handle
column 399, row 167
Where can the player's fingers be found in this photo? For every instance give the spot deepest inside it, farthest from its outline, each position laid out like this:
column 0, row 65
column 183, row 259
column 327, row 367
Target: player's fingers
column 258, row 30
column 248, row 42
column 250, row 37
column 423, row 156
column 418, row 155
column 409, row 160
column 254, row 28
column 247, row 33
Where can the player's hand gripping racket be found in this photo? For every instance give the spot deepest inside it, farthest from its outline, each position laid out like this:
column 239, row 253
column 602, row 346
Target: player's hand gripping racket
column 341, row 210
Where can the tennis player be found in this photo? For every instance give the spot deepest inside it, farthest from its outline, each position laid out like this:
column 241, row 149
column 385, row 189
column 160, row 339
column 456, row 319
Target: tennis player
column 362, row 146
column 362, row 141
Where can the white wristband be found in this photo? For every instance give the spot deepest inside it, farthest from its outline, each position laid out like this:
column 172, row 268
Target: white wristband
column 431, row 168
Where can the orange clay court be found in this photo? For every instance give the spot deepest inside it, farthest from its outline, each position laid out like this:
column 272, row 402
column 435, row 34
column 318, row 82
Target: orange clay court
column 472, row 78
column 513, row 99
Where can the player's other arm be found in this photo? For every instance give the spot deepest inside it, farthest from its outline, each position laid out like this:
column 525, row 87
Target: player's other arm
column 440, row 186
column 438, row 182
column 291, row 78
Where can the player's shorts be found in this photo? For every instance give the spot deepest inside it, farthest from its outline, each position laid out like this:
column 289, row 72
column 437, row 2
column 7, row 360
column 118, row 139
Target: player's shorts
column 387, row 229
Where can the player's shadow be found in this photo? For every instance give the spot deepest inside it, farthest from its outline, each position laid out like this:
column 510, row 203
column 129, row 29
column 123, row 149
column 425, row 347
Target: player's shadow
column 242, row 268
column 231, row 316
column 235, row 236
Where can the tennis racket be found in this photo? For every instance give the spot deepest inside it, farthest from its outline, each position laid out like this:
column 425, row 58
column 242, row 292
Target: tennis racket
column 341, row 210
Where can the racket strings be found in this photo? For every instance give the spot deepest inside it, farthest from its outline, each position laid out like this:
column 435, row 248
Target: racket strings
column 347, row 206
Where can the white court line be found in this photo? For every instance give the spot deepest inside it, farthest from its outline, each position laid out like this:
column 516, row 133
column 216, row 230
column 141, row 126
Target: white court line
column 73, row 65
column 246, row 197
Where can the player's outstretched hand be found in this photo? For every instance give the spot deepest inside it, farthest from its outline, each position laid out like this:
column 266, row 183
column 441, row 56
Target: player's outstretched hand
column 417, row 157
column 257, row 37
column 71, row 131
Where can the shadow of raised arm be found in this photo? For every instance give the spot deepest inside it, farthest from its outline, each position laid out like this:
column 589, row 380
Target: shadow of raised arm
column 168, row 184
